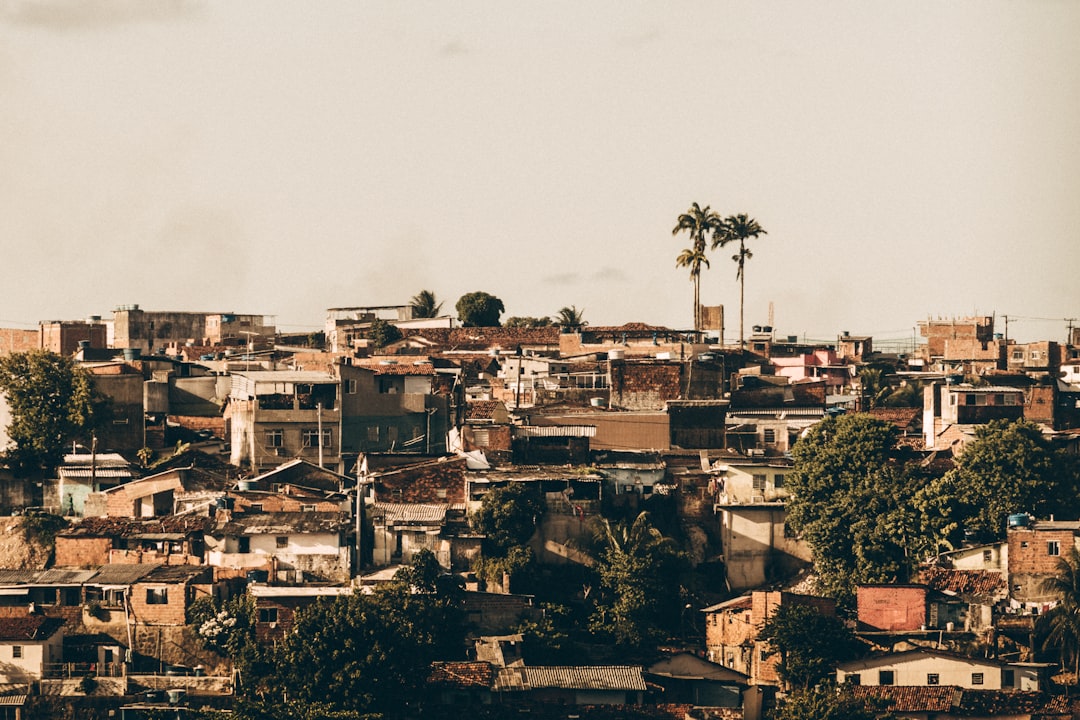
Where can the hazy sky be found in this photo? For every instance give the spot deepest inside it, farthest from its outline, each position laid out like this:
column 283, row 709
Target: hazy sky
column 908, row 159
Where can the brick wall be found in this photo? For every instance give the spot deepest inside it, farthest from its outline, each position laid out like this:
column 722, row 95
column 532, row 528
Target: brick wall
column 82, row 551
column 645, row 386
column 171, row 612
column 13, row 341
column 440, row 482
column 1033, row 557
column 892, row 607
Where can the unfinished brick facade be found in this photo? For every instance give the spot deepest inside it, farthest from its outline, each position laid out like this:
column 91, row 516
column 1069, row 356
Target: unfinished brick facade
column 441, row 481
column 892, row 607
column 1035, row 552
column 13, row 341
column 645, row 385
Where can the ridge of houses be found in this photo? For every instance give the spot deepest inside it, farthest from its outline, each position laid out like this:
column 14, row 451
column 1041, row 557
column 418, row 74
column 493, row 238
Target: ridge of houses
column 292, row 450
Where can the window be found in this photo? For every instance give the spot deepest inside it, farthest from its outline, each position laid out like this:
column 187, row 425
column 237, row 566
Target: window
column 255, row 508
column 778, row 480
column 987, row 556
column 759, row 482
column 16, row 651
column 275, row 438
column 307, row 508
column 933, row 679
column 373, row 433
column 157, row 596
column 886, row 677
column 282, row 541
column 853, row 679
column 311, row 437
column 243, row 545
column 268, row 615
column 976, row 678
column 1008, row 678
column 1018, row 355
column 769, row 435
column 350, row 386
column 1052, row 547
column 763, row 654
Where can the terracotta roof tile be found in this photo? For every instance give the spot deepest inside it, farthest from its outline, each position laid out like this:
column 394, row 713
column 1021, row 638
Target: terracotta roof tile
column 483, row 409
column 963, row 582
column 908, row 698
column 29, row 627
column 462, row 674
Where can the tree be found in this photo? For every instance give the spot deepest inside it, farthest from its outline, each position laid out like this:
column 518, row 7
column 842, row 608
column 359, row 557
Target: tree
column 639, row 573
column 698, row 222
column 424, row 305
column 52, row 402
column 570, row 318
column 382, row 333
column 810, row 643
column 828, row 702
column 1008, row 468
column 741, row 228
column 527, row 322
column 851, row 502
column 479, row 309
column 508, row 515
column 1062, row 622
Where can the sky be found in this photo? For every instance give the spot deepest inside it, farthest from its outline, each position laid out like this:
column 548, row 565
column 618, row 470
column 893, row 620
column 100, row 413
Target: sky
column 908, row 160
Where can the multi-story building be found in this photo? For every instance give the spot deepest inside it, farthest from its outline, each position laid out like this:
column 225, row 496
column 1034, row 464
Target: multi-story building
column 144, row 330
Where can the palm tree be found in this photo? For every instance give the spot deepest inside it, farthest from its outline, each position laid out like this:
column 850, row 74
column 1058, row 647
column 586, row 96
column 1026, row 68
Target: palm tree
column 423, row 305
column 739, row 227
column 1062, row 622
column 571, row 318
column 699, row 222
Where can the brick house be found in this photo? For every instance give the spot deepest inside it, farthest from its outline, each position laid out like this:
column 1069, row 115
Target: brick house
column 1035, row 548
column 276, row 606
column 732, row 628
column 291, row 546
column 439, row 480
column 170, row 540
column 163, row 595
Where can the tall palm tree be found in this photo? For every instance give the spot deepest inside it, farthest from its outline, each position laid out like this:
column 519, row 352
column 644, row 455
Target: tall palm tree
column 1062, row 622
column 423, row 305
column 700, row 223
column 571, row 317
column 739, row 227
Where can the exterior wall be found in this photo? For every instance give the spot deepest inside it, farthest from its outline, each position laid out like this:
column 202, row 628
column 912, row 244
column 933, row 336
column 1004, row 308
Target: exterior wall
column 729, row 637
column 755, row 547
column 738, row 485
column 413, row 540
column 82, row 551
column 892, row 607
column 645, row 385
column 35, row 655
column 441, row 482
column 915, row 671
column 1033, row 557
column 13, row 341
column 63, row 338
column 136, row 499
column 169, row 613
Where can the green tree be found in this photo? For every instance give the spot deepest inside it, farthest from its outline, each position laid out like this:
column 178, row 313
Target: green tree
column 424, row 305
column 810, row 643
column 479, row 309
column 527, row 322
column 639, row 573
column 828, row 702
column 52, row 403
column 547, row 638
column 570, row 318
column 1010, row 467
column 699, row 223
column 508, row 515
column 382, row 333
column 851, row 502
column 370, row 653
column 1062, row 623
column 739, row 228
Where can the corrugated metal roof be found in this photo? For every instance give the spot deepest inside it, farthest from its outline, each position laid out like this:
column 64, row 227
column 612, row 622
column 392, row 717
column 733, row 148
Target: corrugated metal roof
column 555, row 430
column 122, row 573
column 64, row 576
column 411, row 512
column 586, row 677
column 85, row 472
column 269, row 591
column 16, row 700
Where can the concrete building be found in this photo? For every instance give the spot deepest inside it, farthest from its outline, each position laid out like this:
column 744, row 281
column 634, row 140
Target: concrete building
column 147, row 331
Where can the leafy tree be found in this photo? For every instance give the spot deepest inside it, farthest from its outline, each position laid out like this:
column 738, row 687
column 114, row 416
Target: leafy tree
column 571, row 318
column 527, row 322
column 1062, row 623
column 828, row 702
column 382, row 333
column 370, row 653
column 547, row 638
column 698, row 222
column 1008, row 468
column 508, row 515
column 479, row 309
column 810, row 643
column 52, row 402
column 739, row 228
column 851, row 502
column 639, row 572
column 424, row 305
column 317, row 339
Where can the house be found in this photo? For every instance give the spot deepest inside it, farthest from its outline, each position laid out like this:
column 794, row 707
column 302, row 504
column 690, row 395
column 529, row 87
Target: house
column 28, row 645
column 87, row 473
column 147, row 330
column 758, row 545
column 732, row 628
column 163, row 595
column 688, row 679
column 404, row 529
column 65, row 337
column 291, row 546
column 572, row 685
column 276, row 605
column 1035, row 549
column 946, row 405
column 389, row 406
column 151, row 496
column 965, row 345
column 819, row 364
column 909, row 608
column 948, row 703
column 123, row 384
column 925, row 667
column 169, row 540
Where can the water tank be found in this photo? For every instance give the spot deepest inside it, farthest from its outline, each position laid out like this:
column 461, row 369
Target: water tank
column 1019, row 520
column 616, row 354
column 176, row 695
column 246, row 485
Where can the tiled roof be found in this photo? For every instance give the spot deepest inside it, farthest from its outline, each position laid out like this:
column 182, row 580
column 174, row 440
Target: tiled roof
column 486, row 337
column 396, row 368
column 282, row 523
column 985, row 703
column 586, row 677
column 30, row 627
column 963, row 582
column 131, row 527
column 903, row 418
column 482, row 409
column 462, row 674
column 910, row 699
